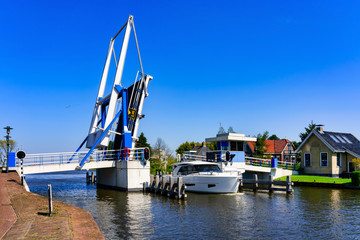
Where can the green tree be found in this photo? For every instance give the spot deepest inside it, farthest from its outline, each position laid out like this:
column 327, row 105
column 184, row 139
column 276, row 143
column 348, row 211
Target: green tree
column 308, row 130
column 273, row 137
column 356, row 162
column 142, row 142
column 212, row 146
column 186, row 146
column 261, row 143
column 296, row 144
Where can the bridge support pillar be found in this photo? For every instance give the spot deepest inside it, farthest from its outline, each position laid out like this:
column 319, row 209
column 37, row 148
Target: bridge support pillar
column 127, row 175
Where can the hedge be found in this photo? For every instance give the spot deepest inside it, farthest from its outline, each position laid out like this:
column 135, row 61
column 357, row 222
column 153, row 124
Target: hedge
column 355, row 178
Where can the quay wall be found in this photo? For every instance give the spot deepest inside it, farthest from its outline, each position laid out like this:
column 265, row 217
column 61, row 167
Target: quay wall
column 32, row 219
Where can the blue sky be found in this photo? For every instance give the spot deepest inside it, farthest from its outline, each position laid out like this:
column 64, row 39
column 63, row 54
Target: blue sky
column 253, row 65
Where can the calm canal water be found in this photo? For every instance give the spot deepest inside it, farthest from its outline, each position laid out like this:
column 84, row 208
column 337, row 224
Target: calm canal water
column 309, row 213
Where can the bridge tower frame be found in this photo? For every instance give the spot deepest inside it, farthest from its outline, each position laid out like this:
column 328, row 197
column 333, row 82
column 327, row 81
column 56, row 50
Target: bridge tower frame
column 104, row 115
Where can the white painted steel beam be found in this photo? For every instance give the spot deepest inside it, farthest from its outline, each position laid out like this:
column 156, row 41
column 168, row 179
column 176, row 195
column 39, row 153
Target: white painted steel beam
column 117, row 81
column 141, row 104
column 97, row 108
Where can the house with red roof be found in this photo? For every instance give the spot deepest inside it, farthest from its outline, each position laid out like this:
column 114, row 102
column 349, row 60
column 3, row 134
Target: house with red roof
column 283, row 149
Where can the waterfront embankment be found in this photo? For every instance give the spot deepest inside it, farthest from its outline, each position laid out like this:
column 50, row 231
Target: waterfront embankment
column 23, row 215
column 320, row 181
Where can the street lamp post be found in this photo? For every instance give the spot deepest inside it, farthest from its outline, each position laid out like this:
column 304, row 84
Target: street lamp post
column 8, row 128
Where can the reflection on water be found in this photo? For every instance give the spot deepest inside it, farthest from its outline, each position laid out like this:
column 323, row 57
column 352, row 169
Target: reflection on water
column 310, row 212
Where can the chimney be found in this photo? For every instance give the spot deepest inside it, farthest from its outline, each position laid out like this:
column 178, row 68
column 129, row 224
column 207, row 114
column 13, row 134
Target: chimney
column 320, row 128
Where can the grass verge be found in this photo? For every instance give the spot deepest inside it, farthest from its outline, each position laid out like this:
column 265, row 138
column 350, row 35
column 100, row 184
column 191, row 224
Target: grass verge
column 318, row 179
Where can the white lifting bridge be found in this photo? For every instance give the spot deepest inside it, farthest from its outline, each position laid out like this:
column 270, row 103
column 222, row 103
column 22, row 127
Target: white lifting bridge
column 113, row 129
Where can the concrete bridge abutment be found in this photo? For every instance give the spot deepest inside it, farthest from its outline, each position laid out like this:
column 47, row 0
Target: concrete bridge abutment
column 126, row 176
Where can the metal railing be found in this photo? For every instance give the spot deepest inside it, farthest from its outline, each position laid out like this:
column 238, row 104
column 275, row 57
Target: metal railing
column 258, row 162
column 75, row 157
column 290, row 165
column 219, row 156
column 192, row 157
column 261, row 162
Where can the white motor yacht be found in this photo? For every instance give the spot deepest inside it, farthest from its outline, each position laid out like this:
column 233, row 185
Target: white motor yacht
column 206, row 177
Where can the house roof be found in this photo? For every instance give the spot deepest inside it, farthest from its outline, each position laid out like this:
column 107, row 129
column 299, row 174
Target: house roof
column 272, row 146
column 337, row 142
column 199, row 149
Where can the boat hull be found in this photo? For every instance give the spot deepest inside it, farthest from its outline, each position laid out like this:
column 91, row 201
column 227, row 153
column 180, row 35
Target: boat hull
column 211, row 184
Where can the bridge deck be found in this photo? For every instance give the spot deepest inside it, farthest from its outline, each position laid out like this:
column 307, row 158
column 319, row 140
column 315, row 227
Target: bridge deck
column 69, row 161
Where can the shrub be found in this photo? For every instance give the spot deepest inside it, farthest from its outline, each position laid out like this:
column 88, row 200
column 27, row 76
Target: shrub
column 355, row 178
column 299, row 168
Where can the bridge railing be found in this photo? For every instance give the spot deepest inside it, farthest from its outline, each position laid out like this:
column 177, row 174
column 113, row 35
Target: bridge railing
column 261, row 162
column 290, row 165
column 76, row 157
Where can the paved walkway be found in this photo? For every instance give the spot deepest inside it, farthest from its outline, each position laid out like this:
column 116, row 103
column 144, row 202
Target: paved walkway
column 23, row 215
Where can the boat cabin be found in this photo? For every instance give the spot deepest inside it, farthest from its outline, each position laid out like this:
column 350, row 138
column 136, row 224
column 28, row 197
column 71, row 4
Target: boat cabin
column 183, row 169
column 232, row 142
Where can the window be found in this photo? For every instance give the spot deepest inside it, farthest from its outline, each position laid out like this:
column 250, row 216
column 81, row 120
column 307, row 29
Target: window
column 341, row 139
column 338, row 159
column 240, row 146
column 323, row 159
column 232, row 146
column 307, row 162
column 346, row 139
column 224, row 145
column 207, row 168
column 334, row 138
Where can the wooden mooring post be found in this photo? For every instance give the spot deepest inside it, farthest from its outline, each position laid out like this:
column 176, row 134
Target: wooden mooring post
column 256, row 183
column 166, row 185
column 289, row 184
column 271, row 184
column 50, row 199
column 266, row 185
column 90, row 178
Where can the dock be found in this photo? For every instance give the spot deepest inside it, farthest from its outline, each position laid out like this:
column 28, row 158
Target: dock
column 266, row 185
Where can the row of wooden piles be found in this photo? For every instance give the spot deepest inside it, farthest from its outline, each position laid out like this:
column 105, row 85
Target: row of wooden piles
column 90, row 178
column 166, row 185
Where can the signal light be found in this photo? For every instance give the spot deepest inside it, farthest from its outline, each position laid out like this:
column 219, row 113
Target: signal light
column 146, row 154
column 227, row 156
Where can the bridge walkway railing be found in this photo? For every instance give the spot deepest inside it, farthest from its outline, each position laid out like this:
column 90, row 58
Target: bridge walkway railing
column 76, row 157
column 261, row 162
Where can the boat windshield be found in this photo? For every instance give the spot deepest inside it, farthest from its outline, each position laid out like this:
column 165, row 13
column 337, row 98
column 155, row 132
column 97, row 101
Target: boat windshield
column 185, row 170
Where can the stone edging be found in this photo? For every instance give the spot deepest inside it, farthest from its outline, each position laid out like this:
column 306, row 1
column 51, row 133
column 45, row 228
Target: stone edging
column 327, row 185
